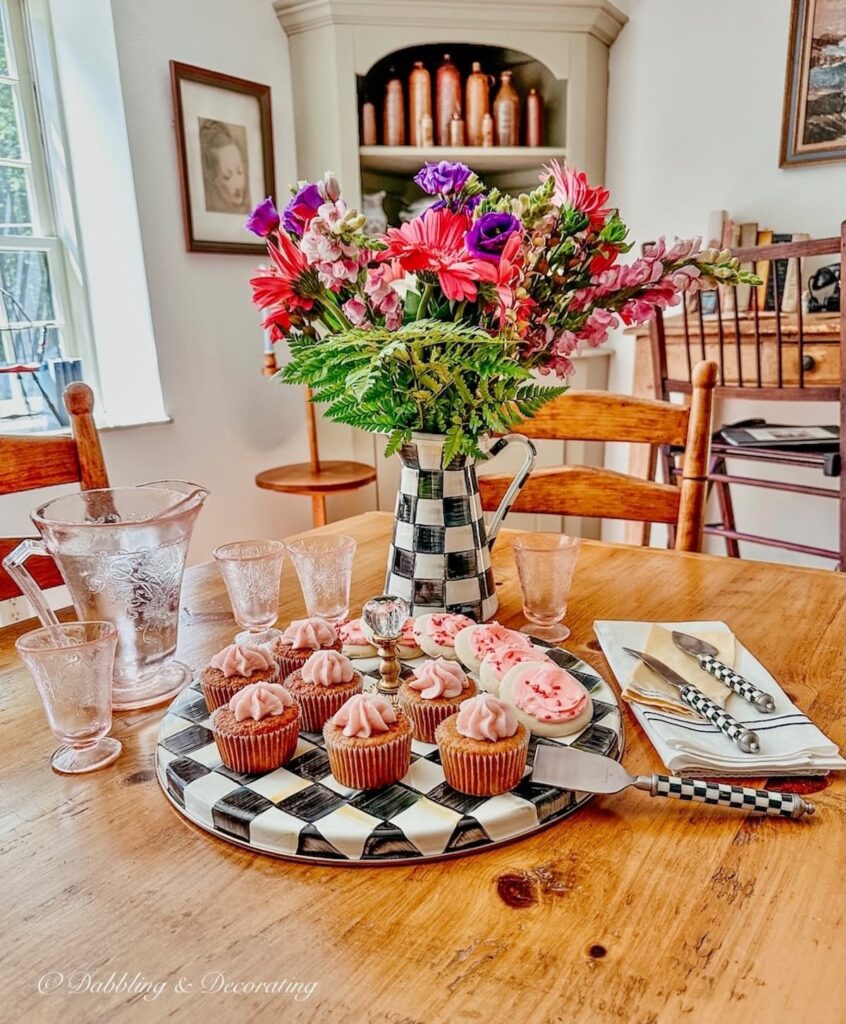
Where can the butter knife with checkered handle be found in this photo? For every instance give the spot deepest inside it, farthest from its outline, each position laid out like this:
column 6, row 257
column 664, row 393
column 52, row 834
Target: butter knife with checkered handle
column 746, row 739
column 705, row 654
column 579, row 770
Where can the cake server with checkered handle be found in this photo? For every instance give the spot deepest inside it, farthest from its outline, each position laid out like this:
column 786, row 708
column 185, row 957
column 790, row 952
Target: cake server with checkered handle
column 706, row 655
column 746, row 739
column 583, row 772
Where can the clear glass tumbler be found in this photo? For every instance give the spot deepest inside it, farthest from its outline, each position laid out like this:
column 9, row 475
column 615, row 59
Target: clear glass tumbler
column 324, row 567
column 545, row 565
column 72, row 664
column 251, row 570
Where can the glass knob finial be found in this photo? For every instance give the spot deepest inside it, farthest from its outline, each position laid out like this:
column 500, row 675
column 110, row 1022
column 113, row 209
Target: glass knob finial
column 385, row 616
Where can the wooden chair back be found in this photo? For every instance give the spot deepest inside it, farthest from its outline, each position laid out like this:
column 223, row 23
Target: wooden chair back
column 30, row 462
column 604, row 494
column 764, row 344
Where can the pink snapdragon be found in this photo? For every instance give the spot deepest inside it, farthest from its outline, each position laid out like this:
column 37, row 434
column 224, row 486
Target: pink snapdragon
column 383, row 298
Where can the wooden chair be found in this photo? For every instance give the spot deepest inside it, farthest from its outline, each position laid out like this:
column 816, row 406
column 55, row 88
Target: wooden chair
column 604, row 494
column 772, row 354
column 30, row 462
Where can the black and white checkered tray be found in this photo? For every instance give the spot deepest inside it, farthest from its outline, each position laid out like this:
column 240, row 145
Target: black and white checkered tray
column 301, row 812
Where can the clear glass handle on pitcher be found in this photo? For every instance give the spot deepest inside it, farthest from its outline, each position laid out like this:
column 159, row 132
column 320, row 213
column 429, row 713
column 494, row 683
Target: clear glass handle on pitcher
column 516, row 484
column 14, row 564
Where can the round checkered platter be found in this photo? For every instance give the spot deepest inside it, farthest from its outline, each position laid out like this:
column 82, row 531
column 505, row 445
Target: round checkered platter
column 301, row 812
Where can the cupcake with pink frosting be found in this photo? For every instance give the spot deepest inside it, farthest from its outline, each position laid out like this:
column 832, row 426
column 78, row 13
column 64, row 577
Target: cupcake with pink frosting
column 547, row 699
column 300, row 640
column 484, row 747
column 368, row 742
column 436, row 690
column 321, row 686
column 233, row 668
column 257, row 730
column 476, row 641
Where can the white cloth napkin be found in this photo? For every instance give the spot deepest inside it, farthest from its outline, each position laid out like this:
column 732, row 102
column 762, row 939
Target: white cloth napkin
column 790, row 742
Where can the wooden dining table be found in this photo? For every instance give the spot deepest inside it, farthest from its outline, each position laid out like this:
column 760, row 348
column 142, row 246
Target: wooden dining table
column 633, row 910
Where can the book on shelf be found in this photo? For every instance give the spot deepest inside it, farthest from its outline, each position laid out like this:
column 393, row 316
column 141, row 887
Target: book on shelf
column 762, row 267
column 747, row 239
column 792, row 284
column 777, row 279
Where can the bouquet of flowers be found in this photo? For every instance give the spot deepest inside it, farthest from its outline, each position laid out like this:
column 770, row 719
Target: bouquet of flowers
column 444, row 325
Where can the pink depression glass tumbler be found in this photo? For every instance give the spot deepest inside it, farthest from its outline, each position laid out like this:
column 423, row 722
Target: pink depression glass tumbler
column 324, row 567
column 545, row 565
column 72, row 665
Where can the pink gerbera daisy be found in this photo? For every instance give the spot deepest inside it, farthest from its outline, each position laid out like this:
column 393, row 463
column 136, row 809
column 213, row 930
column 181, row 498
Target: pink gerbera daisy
column 573, row 192
column 283, row 286
column 434, row 244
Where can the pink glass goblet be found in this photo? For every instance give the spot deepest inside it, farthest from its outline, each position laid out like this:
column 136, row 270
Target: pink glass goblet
column 545, row 565
column 72, row 664
column 324, row 567
column 251, row 570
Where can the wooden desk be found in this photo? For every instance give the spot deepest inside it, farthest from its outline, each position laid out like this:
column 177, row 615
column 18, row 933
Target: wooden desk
column 821, row 349
column 634, row 910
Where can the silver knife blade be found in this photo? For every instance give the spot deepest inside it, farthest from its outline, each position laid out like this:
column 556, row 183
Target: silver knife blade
column 668, row 674
column 575, row 769
column 693, row 645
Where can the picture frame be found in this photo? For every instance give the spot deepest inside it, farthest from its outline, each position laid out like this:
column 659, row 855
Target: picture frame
column 224, row 139
column 813, row 126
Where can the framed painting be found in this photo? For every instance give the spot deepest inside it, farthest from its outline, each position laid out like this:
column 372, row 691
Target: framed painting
column 225, row 151
column 814, row 122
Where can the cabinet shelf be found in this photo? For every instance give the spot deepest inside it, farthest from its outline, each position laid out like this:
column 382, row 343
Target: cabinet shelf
column 401, row 160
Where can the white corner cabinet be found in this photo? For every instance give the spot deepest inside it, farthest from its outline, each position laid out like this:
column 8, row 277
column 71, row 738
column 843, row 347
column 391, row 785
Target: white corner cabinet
column 341, row 52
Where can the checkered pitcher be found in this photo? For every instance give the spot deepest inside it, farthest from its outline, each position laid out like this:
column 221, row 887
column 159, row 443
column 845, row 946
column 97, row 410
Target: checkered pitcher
column 439, row 558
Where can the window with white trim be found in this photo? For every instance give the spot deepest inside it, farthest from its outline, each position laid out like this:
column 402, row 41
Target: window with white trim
column 43, row 329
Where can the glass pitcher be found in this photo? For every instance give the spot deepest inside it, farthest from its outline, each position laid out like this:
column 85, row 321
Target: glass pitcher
column 121, row 552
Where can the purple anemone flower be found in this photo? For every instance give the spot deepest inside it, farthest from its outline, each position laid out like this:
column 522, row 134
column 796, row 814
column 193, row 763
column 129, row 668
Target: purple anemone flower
column 442, row 178
column 301, row 209
column 264, row 219
column 487, row 236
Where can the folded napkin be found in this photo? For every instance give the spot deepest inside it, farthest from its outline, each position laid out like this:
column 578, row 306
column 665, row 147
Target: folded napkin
column 790, row 742
column 646, row 687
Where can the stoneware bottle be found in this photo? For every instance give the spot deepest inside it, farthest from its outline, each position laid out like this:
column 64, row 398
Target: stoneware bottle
column 419, row 100
column 447, row 98
column 368, row 124
column 506, row 113
column 487, row 131
column 476, row 104
column 393, row 113
column 456, row 131
column 534, row 118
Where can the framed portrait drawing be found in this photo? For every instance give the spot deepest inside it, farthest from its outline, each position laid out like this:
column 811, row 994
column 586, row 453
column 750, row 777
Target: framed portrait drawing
column 814, row 122
column 225, row 151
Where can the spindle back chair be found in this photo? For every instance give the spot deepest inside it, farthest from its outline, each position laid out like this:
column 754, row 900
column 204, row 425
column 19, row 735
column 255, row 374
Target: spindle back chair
column 783, row 354
column 30, row 462
column 601, row 493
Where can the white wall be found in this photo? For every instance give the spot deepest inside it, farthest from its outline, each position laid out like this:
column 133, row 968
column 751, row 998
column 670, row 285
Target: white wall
column 229, row 422
column 694, row 121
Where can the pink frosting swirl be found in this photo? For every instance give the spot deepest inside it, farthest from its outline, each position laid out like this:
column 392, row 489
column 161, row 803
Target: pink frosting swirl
column 439, row 678
column 486, row 718
column 259, row 700
column 444, row 628
column 310, row 634
column 485, row 639
column 365, row 714
column 504, row 658
column 328, row 668
column 352, row 632
column 239, row 660
column 549, row 694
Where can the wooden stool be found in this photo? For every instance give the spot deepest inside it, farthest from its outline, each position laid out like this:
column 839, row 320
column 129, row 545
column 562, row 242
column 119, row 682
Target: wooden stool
column 316, row 478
